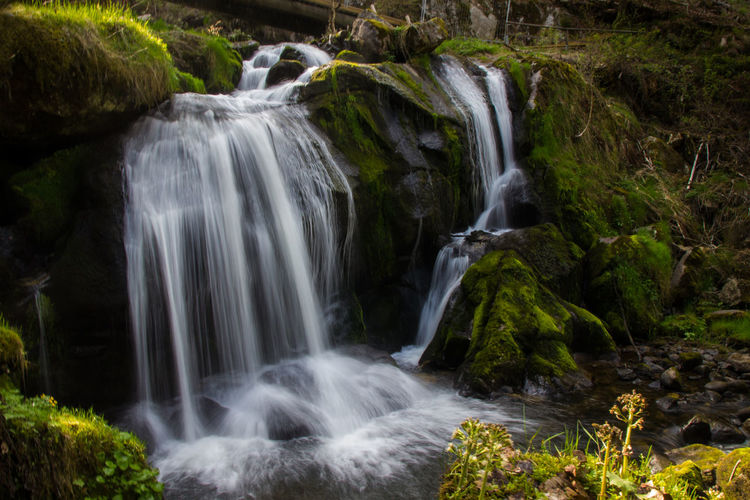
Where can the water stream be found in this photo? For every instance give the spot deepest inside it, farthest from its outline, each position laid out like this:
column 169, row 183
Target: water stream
column 234, row 263
column 486, row 112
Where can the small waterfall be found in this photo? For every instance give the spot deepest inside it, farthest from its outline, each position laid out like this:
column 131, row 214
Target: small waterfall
column 36, row 286
column 484, row 112
column 231, row 237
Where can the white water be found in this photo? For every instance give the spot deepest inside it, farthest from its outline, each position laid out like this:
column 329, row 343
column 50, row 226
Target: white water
column 233, row 260
column 484, row 112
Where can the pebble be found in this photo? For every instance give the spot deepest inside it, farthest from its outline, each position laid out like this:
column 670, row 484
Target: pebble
column 670, row 379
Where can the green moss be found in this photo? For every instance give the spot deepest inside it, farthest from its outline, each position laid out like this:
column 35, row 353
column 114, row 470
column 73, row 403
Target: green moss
column 12, row 355
column 185, row 82
column 225, row 63
column 350, row 56
column 470, row 47
column 518, row 328
column 735, row 465
column 736, row 326
column 629, row 282
column 206, row 57
column 64, row 453
column 703, row 456
column 47, row 191
column 63, row 66
column 685, row 477
column 589, row 334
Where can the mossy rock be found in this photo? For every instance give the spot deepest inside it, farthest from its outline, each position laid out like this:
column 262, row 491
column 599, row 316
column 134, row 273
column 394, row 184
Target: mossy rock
column 517, row 329
column 628, row 283
column 209, row 58
column 284, row 70
column 350, row 56
column 52, row 452
column 12, row 354
column 46, row 192
column 704, row 456
column 412, row 180
column 589, row 333
column 68, row 72
column 735, row 465
column 663, row 156
column 686, row 473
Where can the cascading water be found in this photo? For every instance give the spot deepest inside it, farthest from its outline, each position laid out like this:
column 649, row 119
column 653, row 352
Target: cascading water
column 493, row 178
column 233, row 259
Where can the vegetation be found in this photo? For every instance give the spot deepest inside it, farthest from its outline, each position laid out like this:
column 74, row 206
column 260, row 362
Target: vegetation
column 486, row 465
column 54, row 452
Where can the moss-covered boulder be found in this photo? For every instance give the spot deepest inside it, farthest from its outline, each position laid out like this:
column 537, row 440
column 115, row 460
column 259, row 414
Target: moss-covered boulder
column 210, row 58
column 514, row 327
column 54, row 452
column 686, row 473
column 371, row 37
column 12, row 355
column 284, row 70
column 419, row 38
column 411, row 178
column 628, row 283
column 705, row 457
column 558, row 263
column 733, row 474
column 68, row 71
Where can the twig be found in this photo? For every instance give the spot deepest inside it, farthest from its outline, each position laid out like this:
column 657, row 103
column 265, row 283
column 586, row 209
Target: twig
column 692, row 171
column 731, row 476
column 591, row 108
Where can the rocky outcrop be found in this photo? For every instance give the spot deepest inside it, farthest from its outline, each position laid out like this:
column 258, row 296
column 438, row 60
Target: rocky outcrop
column 503, row 327
column 377, row 40
column 410, row 176
column 61, row 80
column 210, row 58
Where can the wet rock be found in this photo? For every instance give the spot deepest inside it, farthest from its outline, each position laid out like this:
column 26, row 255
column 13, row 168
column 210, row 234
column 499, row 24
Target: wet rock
column 371, row 37
column 658, row 463
column 744, row 413
column 725, row 433
column 739, row 361
column 284, row 70
column 350, row 56
column 697, row 430
column 702, row 455
column 626, row 374
column 291, row 54
column 420, row 38
column 246, row 48
column 670, row 379
column 738, row 386
column 713, row 397
column 668, row 403
column 746, row 426
column 368, row 354
column 719, row 386
column 690, row 360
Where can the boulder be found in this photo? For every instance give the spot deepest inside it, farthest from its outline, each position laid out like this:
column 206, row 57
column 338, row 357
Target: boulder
column 284, row 70
column 725, row 433
column 740, row 362
column 62, row 80
column 705, row 457
column 733, row 474
column 246, row 48
column 628, row 283
column 516, row 328
column 670, row 379
column 372, row 37
column 210, row 58
column 420, row 38
column 350, row 56
column 697, row 430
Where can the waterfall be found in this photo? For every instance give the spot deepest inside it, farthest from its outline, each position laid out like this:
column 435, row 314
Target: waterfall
column 231, row 238
column 36, row 285
column 237, row 229
column 487, row 115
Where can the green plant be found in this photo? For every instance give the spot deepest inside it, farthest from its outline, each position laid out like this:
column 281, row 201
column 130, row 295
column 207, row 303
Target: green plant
column 629, row 409
column 608, row 435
